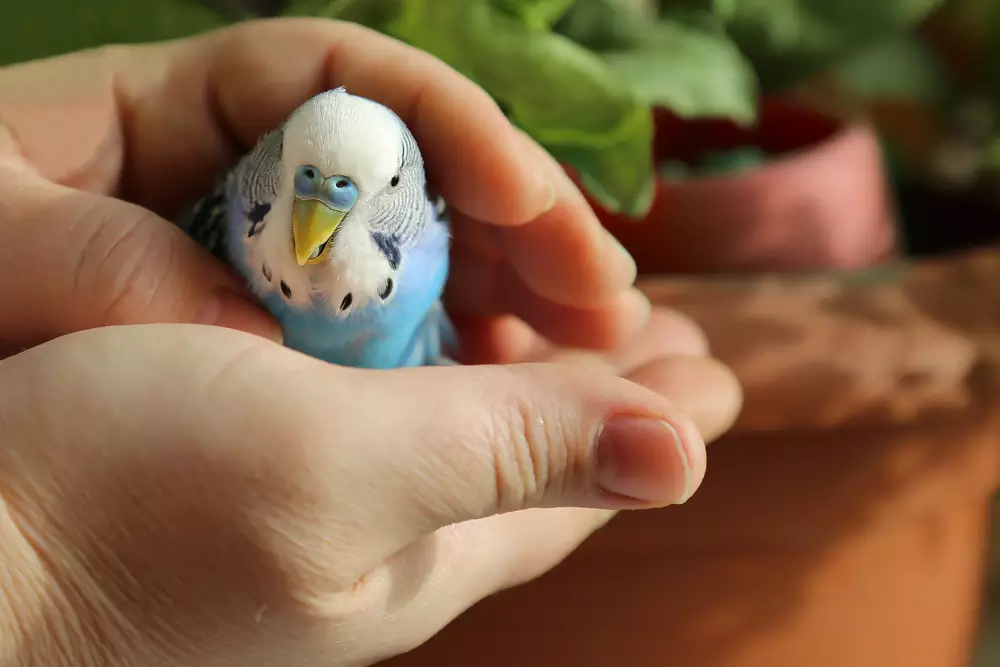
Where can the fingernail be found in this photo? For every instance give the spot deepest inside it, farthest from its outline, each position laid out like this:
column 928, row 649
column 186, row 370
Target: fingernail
column 551, row 196
column 625, row 255
column 538, row 162
column 237, row 311
column 547, row 171
column 642, row 307
column 643, row 458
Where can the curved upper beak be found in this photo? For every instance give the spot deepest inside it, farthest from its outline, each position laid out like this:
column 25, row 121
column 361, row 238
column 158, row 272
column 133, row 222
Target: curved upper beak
column 313, row 224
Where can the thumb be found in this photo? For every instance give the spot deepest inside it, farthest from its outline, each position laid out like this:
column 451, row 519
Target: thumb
column 76, row 260
column 444, row 445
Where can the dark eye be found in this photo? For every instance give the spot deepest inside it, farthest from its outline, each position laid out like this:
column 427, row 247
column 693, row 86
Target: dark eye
column 309, row 173
column 395, row 181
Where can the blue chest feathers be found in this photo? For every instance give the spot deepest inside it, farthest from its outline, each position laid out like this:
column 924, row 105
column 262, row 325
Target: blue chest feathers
column 409, row 329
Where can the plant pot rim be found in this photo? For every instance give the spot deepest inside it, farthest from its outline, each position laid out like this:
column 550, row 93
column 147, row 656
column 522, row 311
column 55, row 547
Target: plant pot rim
column 840, row 129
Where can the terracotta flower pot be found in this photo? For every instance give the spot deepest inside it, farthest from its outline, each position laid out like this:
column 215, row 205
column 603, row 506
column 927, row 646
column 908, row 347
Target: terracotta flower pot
column 844, row 520
column 822, row 200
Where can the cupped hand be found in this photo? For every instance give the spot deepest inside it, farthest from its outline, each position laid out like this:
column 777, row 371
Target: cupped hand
column 98, row 148
column 195, row 496
column 253, row 506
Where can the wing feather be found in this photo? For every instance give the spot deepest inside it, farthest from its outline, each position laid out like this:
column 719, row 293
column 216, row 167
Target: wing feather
column 255, row 181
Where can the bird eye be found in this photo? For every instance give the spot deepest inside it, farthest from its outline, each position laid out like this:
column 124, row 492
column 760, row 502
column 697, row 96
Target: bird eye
column 306, row 179
column 395, row 181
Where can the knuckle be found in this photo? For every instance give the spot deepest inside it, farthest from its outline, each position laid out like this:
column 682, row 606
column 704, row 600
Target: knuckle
column 530, row 452
column 124, row 264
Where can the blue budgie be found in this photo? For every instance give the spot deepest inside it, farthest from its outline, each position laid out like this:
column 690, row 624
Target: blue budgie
column 330, row 220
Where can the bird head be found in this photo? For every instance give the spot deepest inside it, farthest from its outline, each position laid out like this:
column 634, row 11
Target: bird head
column 348, row 161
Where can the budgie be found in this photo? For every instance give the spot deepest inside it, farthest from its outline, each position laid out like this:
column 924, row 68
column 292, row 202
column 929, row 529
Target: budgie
column 330, row 220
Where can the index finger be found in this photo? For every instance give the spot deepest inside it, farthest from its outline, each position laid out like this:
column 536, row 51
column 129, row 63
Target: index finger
column 157, row 123
column 240, row 82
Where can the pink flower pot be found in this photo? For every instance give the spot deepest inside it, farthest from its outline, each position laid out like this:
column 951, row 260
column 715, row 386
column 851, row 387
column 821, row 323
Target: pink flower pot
column 822, row 202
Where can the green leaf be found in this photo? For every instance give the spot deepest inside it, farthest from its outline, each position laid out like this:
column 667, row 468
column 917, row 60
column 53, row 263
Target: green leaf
column 561, row 94
column 30, row 30
column 537, row 14
column 791, row 39
column 717, row 8
column 619, row 173
column 693, row 70
column 900, row 66
column 724, row 10
column 602, row 25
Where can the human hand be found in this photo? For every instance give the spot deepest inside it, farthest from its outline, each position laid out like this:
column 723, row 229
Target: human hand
column 254, row 506
column 170, row 562
column 155, row 124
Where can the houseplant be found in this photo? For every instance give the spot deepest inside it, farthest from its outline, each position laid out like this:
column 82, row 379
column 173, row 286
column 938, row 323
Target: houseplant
column 646, row 110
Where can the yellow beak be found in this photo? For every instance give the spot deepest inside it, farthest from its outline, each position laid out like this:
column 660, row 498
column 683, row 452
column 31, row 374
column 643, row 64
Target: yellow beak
column 313, row 223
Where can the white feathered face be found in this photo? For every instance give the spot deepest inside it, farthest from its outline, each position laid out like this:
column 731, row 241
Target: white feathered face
column 353, row 190
column 340, row 152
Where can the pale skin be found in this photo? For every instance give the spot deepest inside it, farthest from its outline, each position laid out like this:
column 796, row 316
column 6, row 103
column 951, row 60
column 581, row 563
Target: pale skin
column 187, row 495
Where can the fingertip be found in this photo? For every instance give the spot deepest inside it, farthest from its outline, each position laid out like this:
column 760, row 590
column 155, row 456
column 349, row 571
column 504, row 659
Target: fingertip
column 539, row 172
column 703, row 388
column 678, row 332
column 605, row 328
column 566, row 256
column 632, row 448
column 649, row 458
column 660, row 457
column 667, row 333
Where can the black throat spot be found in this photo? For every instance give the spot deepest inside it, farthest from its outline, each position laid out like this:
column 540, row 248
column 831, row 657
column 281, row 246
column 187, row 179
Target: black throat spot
column 386, row 289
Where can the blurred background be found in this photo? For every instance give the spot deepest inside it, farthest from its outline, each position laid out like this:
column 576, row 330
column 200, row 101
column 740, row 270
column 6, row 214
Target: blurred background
column 657, row 106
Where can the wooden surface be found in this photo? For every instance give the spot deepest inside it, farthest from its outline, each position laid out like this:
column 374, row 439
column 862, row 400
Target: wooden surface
column 902, row 343
column 924, row 339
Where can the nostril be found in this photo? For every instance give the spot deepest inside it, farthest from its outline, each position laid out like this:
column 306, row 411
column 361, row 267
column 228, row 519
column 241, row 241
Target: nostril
column 341, row 183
